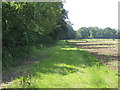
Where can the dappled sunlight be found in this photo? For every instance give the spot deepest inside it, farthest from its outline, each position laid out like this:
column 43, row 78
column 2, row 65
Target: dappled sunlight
column 72, row 49
column 63, row 64
column 67, row 67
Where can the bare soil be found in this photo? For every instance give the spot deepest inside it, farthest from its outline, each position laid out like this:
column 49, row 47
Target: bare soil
column 104, row 50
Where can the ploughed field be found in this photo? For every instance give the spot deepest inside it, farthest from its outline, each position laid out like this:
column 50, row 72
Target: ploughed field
column 104, row 49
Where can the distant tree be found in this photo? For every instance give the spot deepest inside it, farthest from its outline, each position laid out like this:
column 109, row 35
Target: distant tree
column 109, row 33
column 83, row 33
column 95, row 32
column 100, row 33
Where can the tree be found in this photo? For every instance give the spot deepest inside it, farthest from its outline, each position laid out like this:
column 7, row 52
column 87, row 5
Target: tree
column 71, row 33
column 109, row 33
column 26, row 23
column 83, row 33
column 95, row 32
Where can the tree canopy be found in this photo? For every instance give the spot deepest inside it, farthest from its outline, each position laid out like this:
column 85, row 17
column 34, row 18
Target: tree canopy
column 95, row 32
column 26, row 23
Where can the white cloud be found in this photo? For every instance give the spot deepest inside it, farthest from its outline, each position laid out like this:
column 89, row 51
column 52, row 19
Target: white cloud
column 101, row 13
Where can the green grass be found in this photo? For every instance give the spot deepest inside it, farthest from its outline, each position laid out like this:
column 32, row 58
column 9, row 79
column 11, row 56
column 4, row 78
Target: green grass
column 65, row 66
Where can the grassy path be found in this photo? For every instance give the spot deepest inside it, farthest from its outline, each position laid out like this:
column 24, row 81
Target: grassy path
column 65, row 66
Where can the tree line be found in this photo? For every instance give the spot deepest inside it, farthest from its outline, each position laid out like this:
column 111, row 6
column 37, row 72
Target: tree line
column 96, row 33
column 29, row 23
column 92, row 33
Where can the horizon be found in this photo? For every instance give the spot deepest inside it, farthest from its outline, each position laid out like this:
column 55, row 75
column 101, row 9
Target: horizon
column 95, row 26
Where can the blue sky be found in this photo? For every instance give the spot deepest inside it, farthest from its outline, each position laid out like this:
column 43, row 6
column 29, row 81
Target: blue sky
column 85, row 13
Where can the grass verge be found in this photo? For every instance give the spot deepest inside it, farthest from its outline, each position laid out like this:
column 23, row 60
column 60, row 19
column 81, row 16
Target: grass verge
column 65, row 66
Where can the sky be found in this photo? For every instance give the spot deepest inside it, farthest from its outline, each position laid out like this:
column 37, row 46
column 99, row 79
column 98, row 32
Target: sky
column 86, row 13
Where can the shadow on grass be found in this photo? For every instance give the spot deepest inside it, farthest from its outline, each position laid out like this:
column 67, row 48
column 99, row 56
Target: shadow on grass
column 67, row 62
column 62, row 70
column 64, row 63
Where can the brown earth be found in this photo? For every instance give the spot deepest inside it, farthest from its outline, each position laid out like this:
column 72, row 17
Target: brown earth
column 104, row 50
